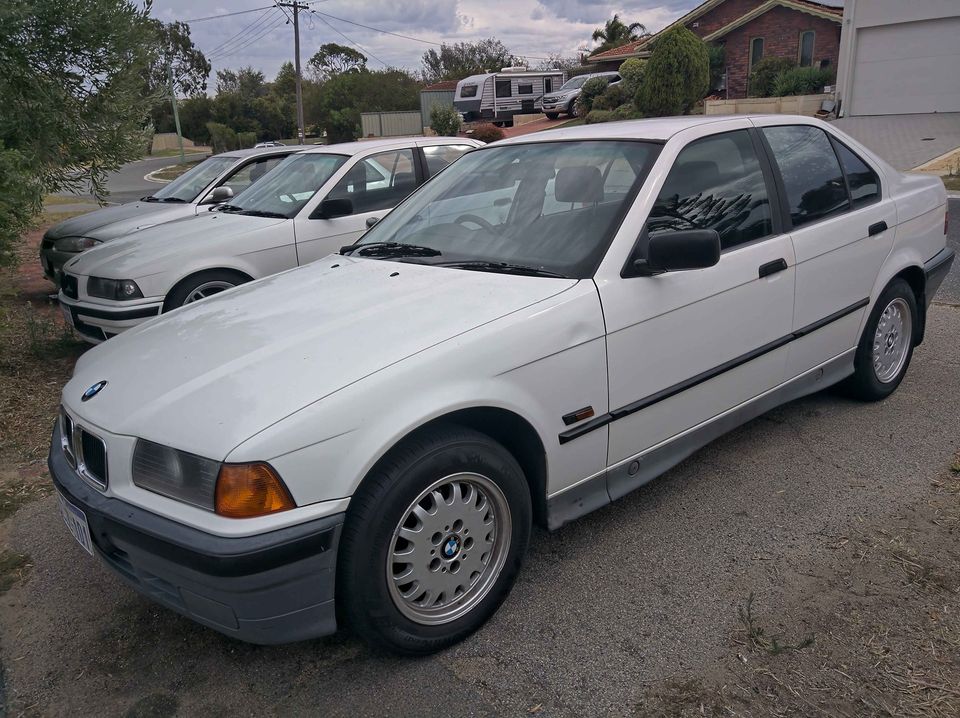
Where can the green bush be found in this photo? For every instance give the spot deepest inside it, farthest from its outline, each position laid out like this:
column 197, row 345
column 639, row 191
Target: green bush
column 591, row 90
column 677, row 74
column 632, row 70
column 765, row 72
column 801, row 81
column 623, row 112
column 445, row 120
column 627, row 112
column 246, row 140
column 487, row 133
column 612, row 98
column 597, row 116
column 222, row 138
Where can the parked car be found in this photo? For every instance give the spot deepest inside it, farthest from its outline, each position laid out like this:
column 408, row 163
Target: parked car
column 547, row 325
column 213, row 181
column 269, row 143
column 565, row 99
column 313, row 202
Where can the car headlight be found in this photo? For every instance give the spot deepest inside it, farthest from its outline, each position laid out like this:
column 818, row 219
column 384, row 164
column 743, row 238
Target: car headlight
column 231, row 490
column 75, row 244
column 118, row 289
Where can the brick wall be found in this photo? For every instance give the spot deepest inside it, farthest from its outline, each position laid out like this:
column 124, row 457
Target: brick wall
column 780, row 29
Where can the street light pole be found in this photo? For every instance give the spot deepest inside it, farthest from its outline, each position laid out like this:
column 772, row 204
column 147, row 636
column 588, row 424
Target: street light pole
column 297, row 7
column 176, row 115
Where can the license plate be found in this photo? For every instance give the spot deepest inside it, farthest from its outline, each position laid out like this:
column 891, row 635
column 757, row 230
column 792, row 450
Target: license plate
column 76, row 522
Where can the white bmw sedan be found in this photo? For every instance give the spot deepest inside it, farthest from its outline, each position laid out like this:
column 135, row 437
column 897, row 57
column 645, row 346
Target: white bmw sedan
column 309, row 205
column 550, row 323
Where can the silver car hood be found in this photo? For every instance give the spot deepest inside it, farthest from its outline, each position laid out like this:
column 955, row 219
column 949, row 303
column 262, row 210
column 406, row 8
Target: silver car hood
column 111, row 222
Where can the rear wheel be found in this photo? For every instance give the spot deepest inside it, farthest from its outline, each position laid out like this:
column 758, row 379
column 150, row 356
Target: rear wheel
column 433, row 541
column 886, row 346
column 201, row 286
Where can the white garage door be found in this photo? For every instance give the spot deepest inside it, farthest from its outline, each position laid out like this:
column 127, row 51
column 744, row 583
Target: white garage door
column 906, row 68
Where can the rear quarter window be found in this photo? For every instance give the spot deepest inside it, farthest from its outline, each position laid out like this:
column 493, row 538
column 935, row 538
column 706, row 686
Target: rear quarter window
column 862, row 180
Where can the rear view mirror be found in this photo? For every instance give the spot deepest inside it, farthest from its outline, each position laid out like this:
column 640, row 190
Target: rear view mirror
column 332, row 208
column 219, row 195
column 678, row 251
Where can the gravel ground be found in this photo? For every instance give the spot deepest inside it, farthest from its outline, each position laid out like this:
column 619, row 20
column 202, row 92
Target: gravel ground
column 840, row 519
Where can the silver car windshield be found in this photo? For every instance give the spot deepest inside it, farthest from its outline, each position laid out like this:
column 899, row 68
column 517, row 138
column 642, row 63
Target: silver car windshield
column 287, row 187
column 574, row 82
column 188, row 186
column 546, row 207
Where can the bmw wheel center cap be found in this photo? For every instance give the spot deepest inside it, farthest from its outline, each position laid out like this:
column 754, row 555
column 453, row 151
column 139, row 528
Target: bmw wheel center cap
column 451, row 547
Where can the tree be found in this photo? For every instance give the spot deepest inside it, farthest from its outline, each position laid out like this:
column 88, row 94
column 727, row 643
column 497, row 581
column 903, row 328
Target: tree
column 191, row 69
column 333, row 59
column 71, row 90
column 462, row 59
column 615, row 33
column 556, row 61
column 677, row 74
column 343, row 97
column 632, row 70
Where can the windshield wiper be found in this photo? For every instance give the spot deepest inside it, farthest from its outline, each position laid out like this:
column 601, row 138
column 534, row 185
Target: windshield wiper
column 390, row 249
column 481, row 265
column 173, row 199
column 150, row 198
column 229, row 208
column 262, row 213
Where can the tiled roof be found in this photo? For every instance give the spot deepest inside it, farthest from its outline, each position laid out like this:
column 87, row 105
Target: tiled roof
column 445, row 85
column 618, row 52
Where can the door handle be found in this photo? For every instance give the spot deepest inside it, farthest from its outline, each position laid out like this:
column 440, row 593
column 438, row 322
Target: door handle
column 877, row 228
column 777, row 265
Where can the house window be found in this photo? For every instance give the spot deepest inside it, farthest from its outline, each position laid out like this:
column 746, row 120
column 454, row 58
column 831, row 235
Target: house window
column 525, row 89
column 806, row 48
column 503, row 88
column 756, row 50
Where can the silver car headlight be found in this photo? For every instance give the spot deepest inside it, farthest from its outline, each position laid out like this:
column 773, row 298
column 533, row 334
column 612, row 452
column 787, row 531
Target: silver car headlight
column 119, row 289
column 75, row 244
column 175, row 474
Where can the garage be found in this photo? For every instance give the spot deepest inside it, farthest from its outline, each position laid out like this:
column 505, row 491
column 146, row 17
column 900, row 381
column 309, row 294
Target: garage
column 900, row 58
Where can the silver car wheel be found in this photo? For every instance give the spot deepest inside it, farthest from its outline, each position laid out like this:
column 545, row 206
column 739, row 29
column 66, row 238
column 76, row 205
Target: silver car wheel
column 891, row 340
column 449, row 548
column 207, row 289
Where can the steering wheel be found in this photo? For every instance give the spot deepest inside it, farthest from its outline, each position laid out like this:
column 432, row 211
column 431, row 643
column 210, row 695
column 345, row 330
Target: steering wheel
column 464, row 218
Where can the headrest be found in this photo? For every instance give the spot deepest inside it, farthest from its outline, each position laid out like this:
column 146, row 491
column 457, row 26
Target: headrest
column 579, row 184
column 404, row 179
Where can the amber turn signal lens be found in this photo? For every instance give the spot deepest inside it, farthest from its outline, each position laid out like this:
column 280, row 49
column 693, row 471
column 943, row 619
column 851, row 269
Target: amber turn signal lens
column 247, row 490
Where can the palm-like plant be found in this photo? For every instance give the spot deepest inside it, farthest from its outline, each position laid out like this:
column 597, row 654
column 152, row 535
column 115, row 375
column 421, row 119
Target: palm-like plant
column 616, row 32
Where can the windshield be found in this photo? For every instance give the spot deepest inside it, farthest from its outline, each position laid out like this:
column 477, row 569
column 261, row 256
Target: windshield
column 288, row 186
column 574, row 82
column 188, row 186
column 550, row 206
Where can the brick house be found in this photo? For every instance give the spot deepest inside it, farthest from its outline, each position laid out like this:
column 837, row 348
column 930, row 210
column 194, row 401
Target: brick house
column 802, row 30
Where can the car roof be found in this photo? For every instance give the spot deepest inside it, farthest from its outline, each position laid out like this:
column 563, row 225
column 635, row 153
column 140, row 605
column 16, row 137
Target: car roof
column 354, row 148
column 253, row 152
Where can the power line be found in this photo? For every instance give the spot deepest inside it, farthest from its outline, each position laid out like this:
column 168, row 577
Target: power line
column 233, row 38
column 228, row 14
column 256, row 35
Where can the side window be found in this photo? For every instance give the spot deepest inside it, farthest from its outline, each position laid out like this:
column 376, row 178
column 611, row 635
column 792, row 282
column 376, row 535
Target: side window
column 547, row 85
column 863, row 181
column 468, row 91
column 811, row 173
column 249, row 173
column 525, row 89
column 715, row 183
column 377, row 182
column 503, row 88
column 439, row 156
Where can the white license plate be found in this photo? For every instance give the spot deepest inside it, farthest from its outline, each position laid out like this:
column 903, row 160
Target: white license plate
column 76, row 521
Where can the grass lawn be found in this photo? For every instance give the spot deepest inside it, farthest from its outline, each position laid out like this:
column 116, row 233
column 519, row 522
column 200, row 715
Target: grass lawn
column 952, row 182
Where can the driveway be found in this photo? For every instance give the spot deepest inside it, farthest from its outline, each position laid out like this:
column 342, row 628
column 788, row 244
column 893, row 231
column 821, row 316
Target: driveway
column 905, row 141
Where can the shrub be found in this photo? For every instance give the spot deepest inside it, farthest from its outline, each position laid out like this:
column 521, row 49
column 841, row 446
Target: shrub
column 632, row 71
column 591, row 90
column 627, row 112
column 597, row 116
column 676, row 75
column 623, row 112
column 246, row 140
column 801, row 81
column 222, row 138
column 445, row 120
column 765, row 72
column 487, row 133
column 612, row 98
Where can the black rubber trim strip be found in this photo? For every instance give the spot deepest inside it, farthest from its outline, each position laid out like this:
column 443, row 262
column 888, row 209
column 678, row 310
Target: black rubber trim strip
column 670, row 391
column 876, row 228
column 115, row 315
column 777, row 265
column 935, row 263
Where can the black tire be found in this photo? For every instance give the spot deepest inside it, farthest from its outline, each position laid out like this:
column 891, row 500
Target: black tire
column 865, row 383
column 177, row 296
column 380, row 505
column 552, row 115
column 572, row 108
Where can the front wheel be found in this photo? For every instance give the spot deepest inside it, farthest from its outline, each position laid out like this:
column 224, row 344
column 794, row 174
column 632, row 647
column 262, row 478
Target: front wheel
column 552, row 115
column 201, row 286
column 886, row 346
column 433, row 541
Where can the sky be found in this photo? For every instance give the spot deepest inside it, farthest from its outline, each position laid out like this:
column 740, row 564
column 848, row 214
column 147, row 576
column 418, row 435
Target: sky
column 535, row 28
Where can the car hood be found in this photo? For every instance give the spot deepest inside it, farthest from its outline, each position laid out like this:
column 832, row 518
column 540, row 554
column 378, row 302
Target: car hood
column 162, row 248
column 208, row 376
column 111, row 222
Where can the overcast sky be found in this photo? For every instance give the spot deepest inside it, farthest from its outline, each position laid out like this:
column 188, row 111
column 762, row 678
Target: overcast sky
column 534, row 28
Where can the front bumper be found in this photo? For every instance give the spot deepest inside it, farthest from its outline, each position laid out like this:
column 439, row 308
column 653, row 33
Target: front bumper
column 560, row 105
column 97, row 323
column 271, row 588
column 52, row 261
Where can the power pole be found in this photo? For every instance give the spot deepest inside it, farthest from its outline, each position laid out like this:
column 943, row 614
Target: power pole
column 176, row 115
column 297, row 7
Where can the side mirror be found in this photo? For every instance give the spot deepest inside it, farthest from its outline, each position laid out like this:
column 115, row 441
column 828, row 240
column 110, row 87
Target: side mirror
column 332, row 208
column 677, row 251
column 372, row 221
column 219, row 195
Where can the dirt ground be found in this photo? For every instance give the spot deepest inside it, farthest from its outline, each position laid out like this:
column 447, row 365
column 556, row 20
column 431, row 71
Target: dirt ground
column 808, row 564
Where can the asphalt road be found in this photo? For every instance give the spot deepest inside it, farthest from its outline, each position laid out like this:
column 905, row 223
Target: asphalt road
column 128, row 184
column 950, row 289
